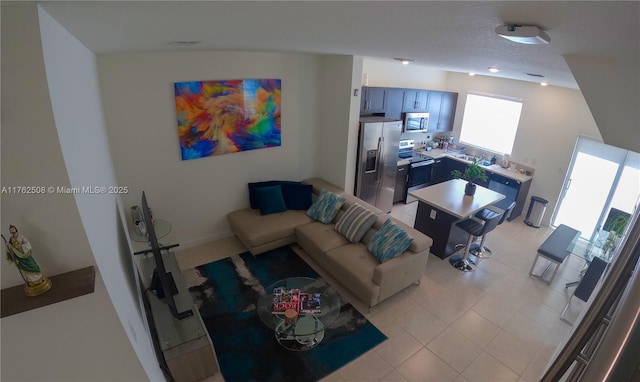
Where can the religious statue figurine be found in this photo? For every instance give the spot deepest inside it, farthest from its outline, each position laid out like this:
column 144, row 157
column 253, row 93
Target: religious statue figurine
column 19, row 253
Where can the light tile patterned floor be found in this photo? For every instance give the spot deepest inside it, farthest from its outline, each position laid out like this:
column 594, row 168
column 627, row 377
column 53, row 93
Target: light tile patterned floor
column 493, row 324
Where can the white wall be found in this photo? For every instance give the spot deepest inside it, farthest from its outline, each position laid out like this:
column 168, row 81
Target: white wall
column 75, row 97
column 69, row 340
column 195, row 195
column 391, row 73
column 612, row 91
column 338, row 119
column 74, row 340
column 31, row 155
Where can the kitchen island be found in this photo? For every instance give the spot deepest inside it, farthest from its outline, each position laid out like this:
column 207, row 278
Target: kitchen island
column 513, row 183
column 442, row 205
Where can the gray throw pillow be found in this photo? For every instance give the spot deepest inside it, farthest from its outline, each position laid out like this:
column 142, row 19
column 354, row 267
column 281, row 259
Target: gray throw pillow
column 355, row 222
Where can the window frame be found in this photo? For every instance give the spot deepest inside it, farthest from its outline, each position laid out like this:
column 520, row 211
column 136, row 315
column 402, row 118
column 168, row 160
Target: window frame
column 481, row 145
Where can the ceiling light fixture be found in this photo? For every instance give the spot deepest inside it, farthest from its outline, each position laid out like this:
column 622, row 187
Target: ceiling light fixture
column 471, row 74
column 543, row 83
column 523, row 34
column 405, row 61
column 494, row 69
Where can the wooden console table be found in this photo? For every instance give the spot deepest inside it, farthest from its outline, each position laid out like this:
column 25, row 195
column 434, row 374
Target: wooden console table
column 184, row 344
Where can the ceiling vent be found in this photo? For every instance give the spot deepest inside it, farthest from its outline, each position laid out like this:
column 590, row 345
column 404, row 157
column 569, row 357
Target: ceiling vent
column 523, row 34
column 184, row 43
column 535, row 75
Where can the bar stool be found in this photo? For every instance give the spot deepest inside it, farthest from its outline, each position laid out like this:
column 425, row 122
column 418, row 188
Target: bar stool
column 480, row 251
column 475, row 229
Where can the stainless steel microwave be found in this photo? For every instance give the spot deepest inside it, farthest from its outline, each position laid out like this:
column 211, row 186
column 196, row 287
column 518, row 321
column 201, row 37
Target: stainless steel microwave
column 416, row 122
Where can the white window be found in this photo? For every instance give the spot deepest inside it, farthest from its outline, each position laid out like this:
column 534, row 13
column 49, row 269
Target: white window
column 490, row 122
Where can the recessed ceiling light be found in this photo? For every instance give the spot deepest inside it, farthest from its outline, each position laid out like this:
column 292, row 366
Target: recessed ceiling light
column 184, row 42
column 472, row 74
column 523, row 34
column 405, row 61
column 494, row 69
column 544, row 83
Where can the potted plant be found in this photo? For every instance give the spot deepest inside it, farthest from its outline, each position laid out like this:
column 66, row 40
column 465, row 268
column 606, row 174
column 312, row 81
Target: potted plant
column 616, row 228
column 473, row 173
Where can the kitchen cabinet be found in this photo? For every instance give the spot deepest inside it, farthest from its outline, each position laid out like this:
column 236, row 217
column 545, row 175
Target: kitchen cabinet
column 440, row 172
column 400, row 191
column 393, row 102
column 373, row 100
column 415, row 100
column 433, row 107
column 452, row 164
column 395, row 97
column 521, row 198
column 447, row 111
column 514, row 191
column 441, row 107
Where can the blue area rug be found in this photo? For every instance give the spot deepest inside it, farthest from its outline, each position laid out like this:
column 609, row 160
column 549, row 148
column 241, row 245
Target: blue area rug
column 226, row 292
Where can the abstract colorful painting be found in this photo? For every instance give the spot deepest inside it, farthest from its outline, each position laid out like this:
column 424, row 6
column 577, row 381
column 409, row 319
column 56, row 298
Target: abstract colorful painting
column 228, row 116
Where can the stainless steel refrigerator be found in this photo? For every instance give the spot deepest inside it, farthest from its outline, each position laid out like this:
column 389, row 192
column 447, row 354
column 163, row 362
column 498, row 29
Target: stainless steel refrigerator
column 378, row 140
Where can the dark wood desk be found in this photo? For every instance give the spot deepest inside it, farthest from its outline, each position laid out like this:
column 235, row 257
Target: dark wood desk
column 443, row 204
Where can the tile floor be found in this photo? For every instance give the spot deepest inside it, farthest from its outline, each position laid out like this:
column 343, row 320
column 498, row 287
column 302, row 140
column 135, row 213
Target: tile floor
column 493, row 324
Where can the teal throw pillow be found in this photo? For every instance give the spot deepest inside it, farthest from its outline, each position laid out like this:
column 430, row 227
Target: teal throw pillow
column 389, row 241
column 297, row 196
column 270, row 200
column 253, row 198
column 326, row 206
column 355, row 222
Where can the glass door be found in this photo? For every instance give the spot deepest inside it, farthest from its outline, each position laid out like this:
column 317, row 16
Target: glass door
column 592, row 183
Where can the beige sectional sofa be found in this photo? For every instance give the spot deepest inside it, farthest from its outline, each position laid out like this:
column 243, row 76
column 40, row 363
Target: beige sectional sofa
column 350, row 263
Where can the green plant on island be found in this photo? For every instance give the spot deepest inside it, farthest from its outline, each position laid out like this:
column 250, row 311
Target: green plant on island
column 473, row 173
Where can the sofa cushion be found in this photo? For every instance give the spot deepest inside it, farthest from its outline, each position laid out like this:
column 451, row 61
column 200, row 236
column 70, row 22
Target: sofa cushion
column 389, row 242
column 270, row 200
column 326, row 206
column 254, row 229
column 355, row 222
column 253, row 201
column 318, row 238
column 353, row 265
column 297, row 196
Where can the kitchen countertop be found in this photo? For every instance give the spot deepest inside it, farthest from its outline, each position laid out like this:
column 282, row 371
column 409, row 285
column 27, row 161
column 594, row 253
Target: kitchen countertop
column 449, row 197
column 496, row 169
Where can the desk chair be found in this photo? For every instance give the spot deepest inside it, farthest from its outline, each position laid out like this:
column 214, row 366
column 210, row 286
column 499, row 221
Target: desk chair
column 587, row 284
column 475, row 229
column 480, row 251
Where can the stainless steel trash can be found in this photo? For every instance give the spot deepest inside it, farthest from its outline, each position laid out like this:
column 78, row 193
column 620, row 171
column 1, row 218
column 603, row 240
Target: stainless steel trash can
column 536, row 211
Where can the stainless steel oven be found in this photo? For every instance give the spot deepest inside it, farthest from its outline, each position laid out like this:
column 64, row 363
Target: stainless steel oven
column 420, row 167
column 415, row 122
column 419, row 176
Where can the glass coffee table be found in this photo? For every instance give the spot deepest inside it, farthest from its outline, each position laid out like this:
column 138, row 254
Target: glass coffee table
column 303, row 307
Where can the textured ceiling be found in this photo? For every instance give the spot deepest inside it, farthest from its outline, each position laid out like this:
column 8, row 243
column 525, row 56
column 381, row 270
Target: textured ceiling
column 456, row 36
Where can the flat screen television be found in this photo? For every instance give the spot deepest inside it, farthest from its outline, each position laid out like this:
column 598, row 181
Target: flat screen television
column 162, row 282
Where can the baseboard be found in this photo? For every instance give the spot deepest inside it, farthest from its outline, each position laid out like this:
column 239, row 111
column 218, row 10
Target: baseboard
column 205, row 239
